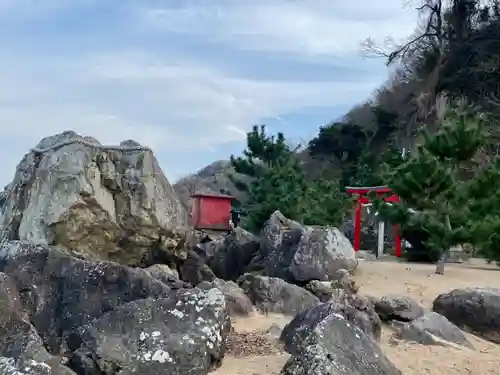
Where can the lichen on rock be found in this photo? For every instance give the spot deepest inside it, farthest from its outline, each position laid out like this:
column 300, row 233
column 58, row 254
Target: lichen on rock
column 96, row 202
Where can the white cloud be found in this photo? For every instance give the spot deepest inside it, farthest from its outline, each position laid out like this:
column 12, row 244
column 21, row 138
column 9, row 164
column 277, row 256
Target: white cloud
column 308, row 28
column 154, row 100
column 181, row 102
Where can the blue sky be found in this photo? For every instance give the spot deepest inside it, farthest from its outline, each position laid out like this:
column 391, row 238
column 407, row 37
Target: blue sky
column 187, row 78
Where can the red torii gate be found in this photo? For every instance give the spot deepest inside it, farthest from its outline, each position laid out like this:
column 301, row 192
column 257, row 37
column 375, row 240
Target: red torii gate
column 362, row 192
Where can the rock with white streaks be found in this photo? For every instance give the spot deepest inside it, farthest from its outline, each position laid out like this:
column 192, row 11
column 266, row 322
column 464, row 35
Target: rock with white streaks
column 184, row 334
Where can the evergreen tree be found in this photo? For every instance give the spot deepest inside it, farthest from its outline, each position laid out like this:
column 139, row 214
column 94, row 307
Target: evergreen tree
column 275, row 182
column 278, row 182
column 484, row 211
column 432, row 200
column 324, row 203
column 279, row 187
column 262, row 152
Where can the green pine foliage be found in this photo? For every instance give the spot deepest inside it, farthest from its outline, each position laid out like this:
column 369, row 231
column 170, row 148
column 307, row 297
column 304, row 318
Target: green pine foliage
column 279, row 187
column 323, row 204
column 484, row 211
column 433, row 201
column 278, row 182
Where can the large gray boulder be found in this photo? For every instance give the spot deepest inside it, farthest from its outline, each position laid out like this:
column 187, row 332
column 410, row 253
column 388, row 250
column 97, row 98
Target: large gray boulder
column 299, row 253
column 321, row 289
column 97, row 202
column 431, row 329
column 476, row 310
column 335, row 346
column 328, row 290
column 184, row 334
column 237, row 302
column 398, row 307
column 231, row 254
column 274, row 295
column 356, row 310
column 21, row 348
column 60, row 293
column 18, row 337
column 194, row 270
column 166, row 275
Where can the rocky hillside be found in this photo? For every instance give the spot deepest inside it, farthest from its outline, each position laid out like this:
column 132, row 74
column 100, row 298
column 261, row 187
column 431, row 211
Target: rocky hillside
column 429, row 74
column 210, row 179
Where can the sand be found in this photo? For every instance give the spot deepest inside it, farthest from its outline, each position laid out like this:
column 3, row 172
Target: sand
column 378, row 279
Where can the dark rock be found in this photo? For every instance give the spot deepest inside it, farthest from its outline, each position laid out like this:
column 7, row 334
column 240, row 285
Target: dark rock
column 328, row 291
column 237, row 302
column 162, row 272
column 321, row 289
column 233, row 253
column 194, row 270
column 476, row 310
column 61, row 293
column 167, row 276
column 347, row 228
column 18, row 337
column 425, row 329
column 335, row 346
column 182, row 334
column 396, row 307
column 417, row 249
column 274, row 295
column 342, row 280
column 299, row 254
column 358, row 311
column 373, row 300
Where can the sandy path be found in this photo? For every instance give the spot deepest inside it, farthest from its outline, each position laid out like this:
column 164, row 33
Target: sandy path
column 381, row 278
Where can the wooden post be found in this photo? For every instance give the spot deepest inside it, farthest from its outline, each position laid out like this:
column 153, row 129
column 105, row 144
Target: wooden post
column 380, row 247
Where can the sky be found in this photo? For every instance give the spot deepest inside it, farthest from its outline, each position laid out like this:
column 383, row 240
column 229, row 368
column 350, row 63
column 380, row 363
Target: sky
column 187, row 78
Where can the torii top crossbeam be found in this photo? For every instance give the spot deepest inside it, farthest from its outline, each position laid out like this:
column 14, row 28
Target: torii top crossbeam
column 362, row 192
column 367, row 189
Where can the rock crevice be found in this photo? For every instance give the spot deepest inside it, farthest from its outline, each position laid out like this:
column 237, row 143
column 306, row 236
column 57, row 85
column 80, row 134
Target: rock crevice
column 97, row 202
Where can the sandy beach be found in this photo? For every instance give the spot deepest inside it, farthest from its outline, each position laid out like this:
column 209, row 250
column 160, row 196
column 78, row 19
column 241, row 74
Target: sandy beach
column 378, row 279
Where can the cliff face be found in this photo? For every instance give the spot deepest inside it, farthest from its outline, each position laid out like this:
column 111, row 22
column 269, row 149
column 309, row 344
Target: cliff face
column 95, row 201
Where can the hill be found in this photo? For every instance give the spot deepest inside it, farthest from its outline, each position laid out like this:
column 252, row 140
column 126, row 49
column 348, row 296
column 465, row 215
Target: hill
column 452, row 57
column 210, row 179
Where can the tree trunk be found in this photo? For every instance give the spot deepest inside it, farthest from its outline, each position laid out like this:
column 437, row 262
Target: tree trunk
column 441, row 262
column 444, row 256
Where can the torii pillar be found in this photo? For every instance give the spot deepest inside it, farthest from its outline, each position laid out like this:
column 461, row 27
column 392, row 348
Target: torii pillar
column 362, row 193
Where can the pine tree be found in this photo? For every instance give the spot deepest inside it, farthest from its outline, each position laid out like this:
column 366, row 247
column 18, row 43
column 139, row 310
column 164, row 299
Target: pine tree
column 278, row 182
column 484, row 211
column 324, row 203
column 262, row 152
column 432, row 200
